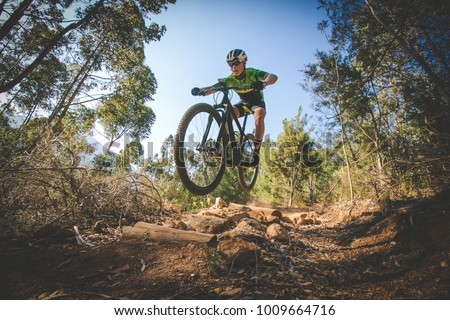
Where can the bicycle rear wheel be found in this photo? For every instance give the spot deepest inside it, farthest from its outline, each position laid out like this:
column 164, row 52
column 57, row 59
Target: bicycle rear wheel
column 200, row 166
column 247, row 174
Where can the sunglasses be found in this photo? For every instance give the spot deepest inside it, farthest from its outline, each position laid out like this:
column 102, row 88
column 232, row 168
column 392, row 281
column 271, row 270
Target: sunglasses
column 235, row 63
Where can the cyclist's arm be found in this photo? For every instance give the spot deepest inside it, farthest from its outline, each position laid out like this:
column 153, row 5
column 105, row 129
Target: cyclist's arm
column 270, row 79
column 211, row 89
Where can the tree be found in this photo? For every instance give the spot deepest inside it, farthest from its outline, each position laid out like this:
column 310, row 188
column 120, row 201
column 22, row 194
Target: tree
column 389, row 66
column 287, row 160
column 125, row 111
column 53, row 35
column 267, row 188
column 333, row 78
column 53, row 60
column 129, row 155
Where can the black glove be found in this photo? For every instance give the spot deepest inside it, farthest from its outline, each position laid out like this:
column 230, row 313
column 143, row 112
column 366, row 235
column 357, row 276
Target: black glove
column 258, row 85
column 197, row 92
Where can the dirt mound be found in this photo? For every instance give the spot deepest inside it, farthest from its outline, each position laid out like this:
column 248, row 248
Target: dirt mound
column 339, row 252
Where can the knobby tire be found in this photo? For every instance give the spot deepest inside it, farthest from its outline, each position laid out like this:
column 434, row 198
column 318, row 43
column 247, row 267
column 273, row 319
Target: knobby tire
column 247, row 175
column 195, row 170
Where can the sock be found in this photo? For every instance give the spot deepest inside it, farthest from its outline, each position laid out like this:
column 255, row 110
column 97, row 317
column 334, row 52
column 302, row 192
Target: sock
column 257, row 144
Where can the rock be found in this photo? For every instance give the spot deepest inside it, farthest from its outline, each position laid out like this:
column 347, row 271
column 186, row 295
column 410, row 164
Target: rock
column 273, row 219
column 240, row 207
column 251, row 223
column 239, row 216
column 230, row 292
column 301, row 219
column 304, row 221
column 287, row 220
column 212, row 212
column 220, row 203
column 207, row 224
column 258, row 215
column 247, row 229
column 277, row 232
column 238, row 252
column 277, row 213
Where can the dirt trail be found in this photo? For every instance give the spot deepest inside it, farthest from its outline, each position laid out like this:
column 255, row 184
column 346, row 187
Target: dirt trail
column 403, row 253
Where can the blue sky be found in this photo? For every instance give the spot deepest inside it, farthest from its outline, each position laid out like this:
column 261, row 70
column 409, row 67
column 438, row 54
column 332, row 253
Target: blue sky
column 279, row 37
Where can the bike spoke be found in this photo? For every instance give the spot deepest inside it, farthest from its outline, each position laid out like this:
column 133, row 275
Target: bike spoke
column 200, row 152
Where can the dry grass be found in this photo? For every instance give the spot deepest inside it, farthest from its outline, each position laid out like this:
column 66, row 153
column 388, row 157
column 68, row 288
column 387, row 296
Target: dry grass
column 41, row 193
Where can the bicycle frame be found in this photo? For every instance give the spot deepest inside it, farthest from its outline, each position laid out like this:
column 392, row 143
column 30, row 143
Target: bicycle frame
column 226, row 127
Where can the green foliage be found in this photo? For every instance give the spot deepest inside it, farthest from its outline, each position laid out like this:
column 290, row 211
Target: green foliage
column 130, row 155
column 162, row 171
column 229, row 189
column 53, row 60
column 125, row 111
column 386, row 83
column 267, row 190
column 104, row 161
column 291, row 170
column 287, row 160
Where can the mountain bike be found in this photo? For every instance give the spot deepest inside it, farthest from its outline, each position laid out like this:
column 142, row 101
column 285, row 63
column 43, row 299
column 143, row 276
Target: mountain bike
column 206, row 143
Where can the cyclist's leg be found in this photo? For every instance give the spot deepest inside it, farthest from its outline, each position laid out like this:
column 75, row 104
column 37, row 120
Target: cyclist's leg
column 238, row 109
column 259, row 114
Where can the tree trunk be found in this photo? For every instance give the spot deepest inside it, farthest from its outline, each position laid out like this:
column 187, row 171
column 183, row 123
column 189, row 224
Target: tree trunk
column 4, row 87
column 292, row 183
column 339, row 111
column 414, row 54
column 311, row 186
column 2, row 6
column 381, row 180
column 14, row 18
column 346, row 159
column 67, row 98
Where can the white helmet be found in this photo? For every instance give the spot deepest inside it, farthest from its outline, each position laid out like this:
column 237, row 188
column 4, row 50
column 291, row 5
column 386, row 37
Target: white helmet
column 235, row 55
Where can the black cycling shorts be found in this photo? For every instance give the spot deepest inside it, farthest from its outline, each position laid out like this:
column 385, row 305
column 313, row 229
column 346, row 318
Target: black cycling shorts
column 248, row 108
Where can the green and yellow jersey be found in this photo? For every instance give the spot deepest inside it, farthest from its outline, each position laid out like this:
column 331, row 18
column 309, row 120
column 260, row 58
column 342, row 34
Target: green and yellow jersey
column 250, row 97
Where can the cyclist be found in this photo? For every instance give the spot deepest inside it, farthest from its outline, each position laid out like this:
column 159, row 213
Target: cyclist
column 253, row 99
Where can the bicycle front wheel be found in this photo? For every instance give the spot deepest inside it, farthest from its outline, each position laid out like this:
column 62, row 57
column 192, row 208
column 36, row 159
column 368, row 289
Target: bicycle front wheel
column 198, row 153
column 247, row 174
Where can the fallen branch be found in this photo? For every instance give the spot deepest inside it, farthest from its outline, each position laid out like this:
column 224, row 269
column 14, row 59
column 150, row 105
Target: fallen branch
column 148, row 231
column 81, row 241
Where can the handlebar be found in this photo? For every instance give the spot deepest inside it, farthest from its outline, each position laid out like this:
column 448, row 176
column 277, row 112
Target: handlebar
column 219, row 87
